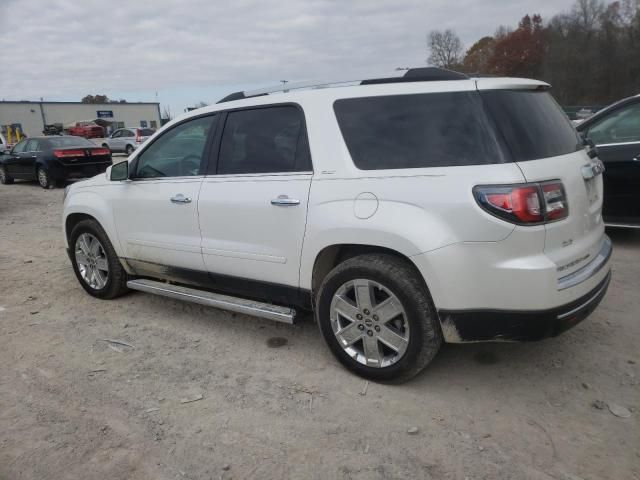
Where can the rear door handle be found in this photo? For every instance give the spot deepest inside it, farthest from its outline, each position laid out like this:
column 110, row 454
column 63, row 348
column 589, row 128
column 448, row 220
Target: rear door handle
column 285, row 201
column 180, row 198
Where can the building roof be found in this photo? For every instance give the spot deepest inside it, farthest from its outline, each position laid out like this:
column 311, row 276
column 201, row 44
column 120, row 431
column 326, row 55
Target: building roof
column 36, row 102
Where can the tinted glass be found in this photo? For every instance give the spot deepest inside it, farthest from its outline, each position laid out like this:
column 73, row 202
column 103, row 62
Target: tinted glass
column 32, row 146
column 61, row 142
column 620, row 126
column 128, row 133
column 415, row 131
column 146, row 132
column 265, row 140
column 178, row 152
column 532, row 123
column 18, row 148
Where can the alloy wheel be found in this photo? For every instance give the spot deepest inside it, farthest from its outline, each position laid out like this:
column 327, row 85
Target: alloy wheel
column 369, row 323
column 43, row 178
column 92, row 261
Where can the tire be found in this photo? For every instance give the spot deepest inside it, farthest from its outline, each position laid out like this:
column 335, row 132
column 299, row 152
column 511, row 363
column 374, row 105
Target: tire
column 44, row 179
column 415, row 330
column 128, row 150
column 114, row 283
column 5, row 178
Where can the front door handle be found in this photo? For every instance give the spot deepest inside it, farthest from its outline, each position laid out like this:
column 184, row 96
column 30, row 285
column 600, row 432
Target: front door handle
column 180, row 198
column 285, row 201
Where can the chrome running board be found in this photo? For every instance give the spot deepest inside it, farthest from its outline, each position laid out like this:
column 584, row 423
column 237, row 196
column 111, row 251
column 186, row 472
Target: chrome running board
column 224, row 302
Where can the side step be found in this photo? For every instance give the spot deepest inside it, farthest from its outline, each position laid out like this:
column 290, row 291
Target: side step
column 224, row 302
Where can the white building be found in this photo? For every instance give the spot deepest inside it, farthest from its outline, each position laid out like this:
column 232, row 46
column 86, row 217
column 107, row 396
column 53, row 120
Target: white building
column 31, row 117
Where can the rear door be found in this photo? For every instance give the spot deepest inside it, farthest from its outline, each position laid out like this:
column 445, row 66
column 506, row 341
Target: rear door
column 546, row 147
column 253, row 203
column 617, row 138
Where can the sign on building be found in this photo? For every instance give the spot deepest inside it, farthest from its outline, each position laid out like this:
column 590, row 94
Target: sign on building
column 105, row 113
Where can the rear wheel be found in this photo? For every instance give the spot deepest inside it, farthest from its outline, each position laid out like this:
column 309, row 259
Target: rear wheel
column 44, row 179
column 95, row 261
column 5, row 178
column 377, row 317
column 128, row 150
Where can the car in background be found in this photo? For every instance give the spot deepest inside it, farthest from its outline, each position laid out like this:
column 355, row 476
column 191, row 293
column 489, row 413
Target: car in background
column 85, row 130
column 615, row 131
column 51, row 160
column 126, row 140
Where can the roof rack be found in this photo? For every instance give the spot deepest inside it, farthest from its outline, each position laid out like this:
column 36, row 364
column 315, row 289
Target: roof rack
column 426, row 74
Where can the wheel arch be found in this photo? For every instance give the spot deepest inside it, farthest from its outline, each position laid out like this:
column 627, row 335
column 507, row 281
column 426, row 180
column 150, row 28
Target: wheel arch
column 332, row 255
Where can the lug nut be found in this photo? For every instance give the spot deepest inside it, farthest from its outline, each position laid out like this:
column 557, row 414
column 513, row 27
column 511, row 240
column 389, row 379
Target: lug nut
column 369, row 332
column 366, row 312
column 359, row 317
column 360, row 327
column 375, row 317
column 377, row 328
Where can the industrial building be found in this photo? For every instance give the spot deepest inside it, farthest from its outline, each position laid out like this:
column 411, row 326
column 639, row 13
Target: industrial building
column 30, row 117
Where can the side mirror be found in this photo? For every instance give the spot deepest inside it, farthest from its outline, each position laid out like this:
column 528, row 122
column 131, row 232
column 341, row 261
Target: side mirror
column 119, row 172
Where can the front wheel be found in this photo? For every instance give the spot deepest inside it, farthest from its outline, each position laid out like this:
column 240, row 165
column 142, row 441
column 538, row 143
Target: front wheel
column 377, row 317
column 128, row 150
column 44, row 179
column 5, row 178
column 95, row 261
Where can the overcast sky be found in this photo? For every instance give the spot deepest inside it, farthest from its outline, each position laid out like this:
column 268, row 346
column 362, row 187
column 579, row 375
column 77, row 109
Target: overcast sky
column 192, row 50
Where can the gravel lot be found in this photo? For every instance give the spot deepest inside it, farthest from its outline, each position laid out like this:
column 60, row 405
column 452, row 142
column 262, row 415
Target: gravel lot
column 275, row 404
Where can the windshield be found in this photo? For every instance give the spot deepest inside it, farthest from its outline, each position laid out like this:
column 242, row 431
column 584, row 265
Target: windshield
column 62, row 142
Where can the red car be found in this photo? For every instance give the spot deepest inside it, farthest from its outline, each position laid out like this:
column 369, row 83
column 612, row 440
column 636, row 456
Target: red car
column 86, row 130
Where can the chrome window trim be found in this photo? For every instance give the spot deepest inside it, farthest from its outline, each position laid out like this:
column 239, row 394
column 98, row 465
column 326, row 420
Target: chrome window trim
column 637, row 142
column 588, row 270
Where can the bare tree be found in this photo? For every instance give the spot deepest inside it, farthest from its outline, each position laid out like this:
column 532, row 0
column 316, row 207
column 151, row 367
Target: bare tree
column 166, row 113
column 445, row 48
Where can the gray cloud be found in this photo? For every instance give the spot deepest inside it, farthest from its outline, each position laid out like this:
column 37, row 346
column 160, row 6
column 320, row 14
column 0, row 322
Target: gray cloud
column 68, row 48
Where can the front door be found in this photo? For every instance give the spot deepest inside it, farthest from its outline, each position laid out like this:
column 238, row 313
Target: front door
column 617, row 137
column 156, row 211
column 253, row 203
column 28, row 157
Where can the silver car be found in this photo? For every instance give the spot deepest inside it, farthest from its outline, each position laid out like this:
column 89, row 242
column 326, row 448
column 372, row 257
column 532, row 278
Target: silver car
column 126, row 140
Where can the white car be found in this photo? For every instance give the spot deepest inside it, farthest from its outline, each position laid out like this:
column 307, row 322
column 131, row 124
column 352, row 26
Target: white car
column 405, row 211
column 126, row 140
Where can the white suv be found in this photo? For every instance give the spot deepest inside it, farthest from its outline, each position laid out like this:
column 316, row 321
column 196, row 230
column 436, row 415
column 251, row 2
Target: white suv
column 404, row 211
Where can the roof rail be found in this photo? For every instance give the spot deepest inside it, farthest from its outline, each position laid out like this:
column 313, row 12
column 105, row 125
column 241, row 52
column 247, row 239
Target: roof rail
column 426, row 74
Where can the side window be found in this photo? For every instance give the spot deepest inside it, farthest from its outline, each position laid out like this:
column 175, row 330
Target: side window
column 620, row 126
column 32, row 146
column 178, row 152
column 127, row 133
column 117, row 134
column 19, row 148
column 264, row 140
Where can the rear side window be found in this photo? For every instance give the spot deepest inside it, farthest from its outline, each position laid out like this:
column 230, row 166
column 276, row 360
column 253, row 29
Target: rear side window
column 415, row 131
column 264, row 140
column 532, row 124
column 146, row 132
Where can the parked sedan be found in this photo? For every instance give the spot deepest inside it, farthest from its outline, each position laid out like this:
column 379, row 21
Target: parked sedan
column 126, row 140
column 51, row 160
column 615, row 131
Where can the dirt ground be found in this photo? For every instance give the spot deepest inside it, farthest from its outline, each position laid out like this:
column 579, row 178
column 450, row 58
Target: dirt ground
column 275, row 404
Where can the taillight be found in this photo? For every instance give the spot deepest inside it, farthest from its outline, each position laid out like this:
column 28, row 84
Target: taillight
column 68, row 153
column 100, row 151
column 138, row 138
column 527, row 203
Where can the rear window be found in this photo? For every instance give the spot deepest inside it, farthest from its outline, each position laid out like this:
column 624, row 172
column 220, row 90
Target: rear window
column 420, row 130
column 61, row 142
column 532, row 124
column 146, row 132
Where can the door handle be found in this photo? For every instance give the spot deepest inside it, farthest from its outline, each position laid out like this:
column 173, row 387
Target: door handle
column 636, row 159
column 285, row 201
column 180, row 198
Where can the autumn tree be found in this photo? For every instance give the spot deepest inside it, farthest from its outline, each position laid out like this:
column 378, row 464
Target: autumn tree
column 476, row 60
column 520, row 52
column 445, row 49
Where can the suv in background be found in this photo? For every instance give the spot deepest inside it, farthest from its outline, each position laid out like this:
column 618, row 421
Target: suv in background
column 126, row 140
column 405, row 211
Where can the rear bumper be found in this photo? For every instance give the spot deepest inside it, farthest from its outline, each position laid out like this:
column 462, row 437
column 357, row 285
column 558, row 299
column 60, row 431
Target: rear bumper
column 504, row 325
column 58, row 171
